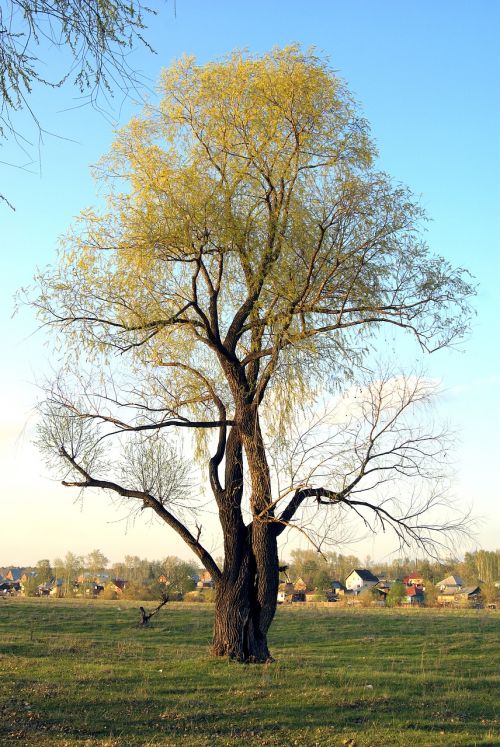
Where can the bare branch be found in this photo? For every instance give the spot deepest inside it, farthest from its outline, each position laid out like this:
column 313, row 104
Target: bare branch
column 148, row 501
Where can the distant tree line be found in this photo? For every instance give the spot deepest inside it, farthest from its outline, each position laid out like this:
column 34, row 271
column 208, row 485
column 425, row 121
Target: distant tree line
column 318, row 570
column 148, row 579
column 144, row 579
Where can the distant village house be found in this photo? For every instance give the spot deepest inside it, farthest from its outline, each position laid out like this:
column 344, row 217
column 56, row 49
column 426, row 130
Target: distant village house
column 360, row 579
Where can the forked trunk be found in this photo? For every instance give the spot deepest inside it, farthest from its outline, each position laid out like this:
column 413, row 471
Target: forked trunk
column 246, row 594
column 246, row 598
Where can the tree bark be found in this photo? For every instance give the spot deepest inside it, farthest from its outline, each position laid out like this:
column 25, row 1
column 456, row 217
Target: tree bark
column 245, row 604
column 246, row 594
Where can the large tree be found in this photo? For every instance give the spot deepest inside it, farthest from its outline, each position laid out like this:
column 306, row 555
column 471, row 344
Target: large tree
column 249, row 254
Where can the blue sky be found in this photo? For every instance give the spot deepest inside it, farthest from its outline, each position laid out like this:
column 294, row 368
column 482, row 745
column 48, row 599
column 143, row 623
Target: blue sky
column 427, row 77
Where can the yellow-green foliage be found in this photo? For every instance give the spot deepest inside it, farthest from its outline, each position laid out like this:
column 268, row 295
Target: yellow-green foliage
column 231, row 167
column 250, row 186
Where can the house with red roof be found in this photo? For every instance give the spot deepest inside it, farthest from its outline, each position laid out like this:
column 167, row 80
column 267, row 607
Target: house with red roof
column 414, row 579
column 414, row 595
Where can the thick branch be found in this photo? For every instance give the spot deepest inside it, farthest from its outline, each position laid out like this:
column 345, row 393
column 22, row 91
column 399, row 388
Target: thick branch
column 148, row 501
column 298, row 499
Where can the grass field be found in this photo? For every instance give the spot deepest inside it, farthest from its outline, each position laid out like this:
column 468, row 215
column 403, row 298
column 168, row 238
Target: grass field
column 82, row 673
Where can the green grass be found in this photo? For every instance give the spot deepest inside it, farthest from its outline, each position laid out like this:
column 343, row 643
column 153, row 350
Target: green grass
column 82, row 673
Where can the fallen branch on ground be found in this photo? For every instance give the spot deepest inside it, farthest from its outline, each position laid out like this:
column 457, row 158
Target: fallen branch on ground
column 146, row 616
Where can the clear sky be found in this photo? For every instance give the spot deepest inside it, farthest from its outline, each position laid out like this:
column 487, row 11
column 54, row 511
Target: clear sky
column 427, row 77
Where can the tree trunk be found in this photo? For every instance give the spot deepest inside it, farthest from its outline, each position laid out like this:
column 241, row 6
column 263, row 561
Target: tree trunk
column 245, row 604
column 246, row 595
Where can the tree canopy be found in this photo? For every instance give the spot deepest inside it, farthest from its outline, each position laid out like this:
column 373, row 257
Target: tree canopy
column 249, row 252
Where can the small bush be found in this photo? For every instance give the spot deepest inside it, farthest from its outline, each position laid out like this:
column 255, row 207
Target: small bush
column 109, row 592
column 318, row 596
column 145, row 591
column 205, row 595
column 396, row 595
column 193, row 596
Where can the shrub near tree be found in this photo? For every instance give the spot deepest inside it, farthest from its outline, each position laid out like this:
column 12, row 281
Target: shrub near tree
column 490, row 594
column 430, row 594
column 245, row 266
column 396, row 594
column 146, row 590
column 371, row 596
column 109, row 592
column 180, row 575
column 30, row 586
